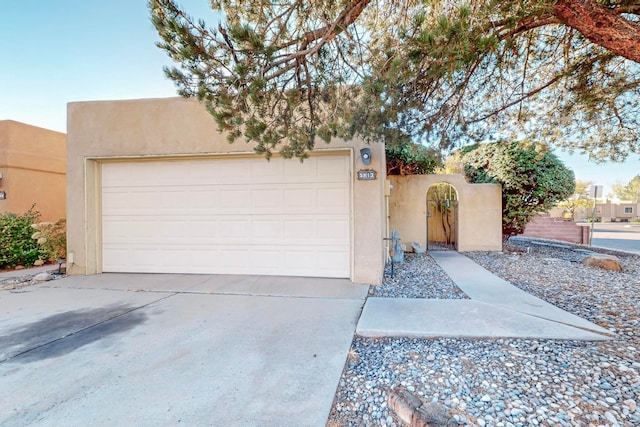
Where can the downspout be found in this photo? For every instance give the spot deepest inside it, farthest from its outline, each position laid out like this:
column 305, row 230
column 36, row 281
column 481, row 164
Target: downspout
column 387, row 195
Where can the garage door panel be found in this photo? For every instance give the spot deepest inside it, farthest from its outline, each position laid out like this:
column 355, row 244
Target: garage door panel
column 235, row 216
column 146, row 231
column 306, row 169
column 122, row 174
column 265, row 259
column 116, row 258
column 234, row 259
column 169, row 257
column 266, row 198
column 236, row 169
column 203, row 199
column 299, row 230
column 265, row 171
column 202, row 230
column 298, row 199
column 266, row 230
column 202, row 173
column 332, row 262
column 332, row 230
column 292, row 260
column 275, row 231
column 235, row 200
column 200, row 257
column 333, row 199
column 332, row 167
column 299, row 258
column 144, row 202
column 146, row 258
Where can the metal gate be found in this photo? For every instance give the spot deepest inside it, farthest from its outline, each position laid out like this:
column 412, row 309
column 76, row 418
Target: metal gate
column 442, row 217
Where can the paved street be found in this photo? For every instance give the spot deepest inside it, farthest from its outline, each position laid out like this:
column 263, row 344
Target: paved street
column 618, row 235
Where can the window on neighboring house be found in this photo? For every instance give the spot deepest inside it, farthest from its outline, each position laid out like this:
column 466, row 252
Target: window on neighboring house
column 628, row 209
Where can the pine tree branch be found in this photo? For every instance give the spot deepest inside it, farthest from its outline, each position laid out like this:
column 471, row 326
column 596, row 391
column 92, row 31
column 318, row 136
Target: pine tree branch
column 322, row 36
column 602, row 26
column 227, row 40
column 537, row 90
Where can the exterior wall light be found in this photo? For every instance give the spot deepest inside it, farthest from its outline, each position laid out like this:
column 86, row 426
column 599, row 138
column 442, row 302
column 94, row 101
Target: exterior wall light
column 3, row 195
column 365, row 155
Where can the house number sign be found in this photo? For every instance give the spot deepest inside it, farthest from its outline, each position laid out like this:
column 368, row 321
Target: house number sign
column 366, row 174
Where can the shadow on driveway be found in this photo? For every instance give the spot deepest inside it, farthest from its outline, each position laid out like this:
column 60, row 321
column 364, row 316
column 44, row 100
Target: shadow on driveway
column 62, row 333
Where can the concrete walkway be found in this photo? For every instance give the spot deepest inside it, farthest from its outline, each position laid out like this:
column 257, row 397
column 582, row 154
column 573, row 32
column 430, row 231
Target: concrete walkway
column 496, row 309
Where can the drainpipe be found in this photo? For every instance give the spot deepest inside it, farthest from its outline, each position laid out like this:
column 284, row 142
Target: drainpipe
column 387, row 232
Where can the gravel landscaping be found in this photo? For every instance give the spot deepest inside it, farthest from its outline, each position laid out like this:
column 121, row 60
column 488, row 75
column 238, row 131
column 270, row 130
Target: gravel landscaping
column 419, row 276
column 24, row 280
column 509, row 382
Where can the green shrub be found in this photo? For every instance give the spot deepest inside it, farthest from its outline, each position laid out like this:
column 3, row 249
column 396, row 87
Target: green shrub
column 16, row 245
column 533, row 179
column 407, row 158
column 52, row 238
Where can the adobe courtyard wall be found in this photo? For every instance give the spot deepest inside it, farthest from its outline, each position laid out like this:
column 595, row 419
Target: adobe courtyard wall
column 479, row 224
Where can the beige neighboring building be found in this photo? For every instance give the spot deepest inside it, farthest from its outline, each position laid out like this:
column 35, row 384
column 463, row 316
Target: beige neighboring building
column 608, row 211
column 33, row 167
column 153, row 187
column 475, row 212
column 580, row 214
column 617, row 212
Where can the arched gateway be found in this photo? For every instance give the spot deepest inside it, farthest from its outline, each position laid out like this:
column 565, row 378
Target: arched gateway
column 442, row 216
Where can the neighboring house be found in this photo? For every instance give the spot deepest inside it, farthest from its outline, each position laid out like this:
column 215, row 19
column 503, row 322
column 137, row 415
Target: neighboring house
column 604, row 212
column 32, row 164
column 580, row 214
column 617, row 212
column 154, row 187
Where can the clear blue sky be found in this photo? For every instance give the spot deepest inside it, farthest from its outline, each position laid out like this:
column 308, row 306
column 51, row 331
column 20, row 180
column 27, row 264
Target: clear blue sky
column 59, row 51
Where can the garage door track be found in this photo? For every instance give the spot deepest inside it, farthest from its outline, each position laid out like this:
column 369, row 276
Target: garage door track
column 146, row 349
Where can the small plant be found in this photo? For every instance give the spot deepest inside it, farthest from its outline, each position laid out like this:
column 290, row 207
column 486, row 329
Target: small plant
column 16, row 245
column 51, row 238
column 353, row 358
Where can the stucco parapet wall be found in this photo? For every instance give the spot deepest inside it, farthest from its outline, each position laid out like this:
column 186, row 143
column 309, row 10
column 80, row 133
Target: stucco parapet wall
column 24, row 146
column 32, row 161
column 96, row 121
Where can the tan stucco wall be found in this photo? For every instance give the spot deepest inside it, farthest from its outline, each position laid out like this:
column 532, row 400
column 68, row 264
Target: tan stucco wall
column 106, row 130
column 479, row 211
column 33, row 165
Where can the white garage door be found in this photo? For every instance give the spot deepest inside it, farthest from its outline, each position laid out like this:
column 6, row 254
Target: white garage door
column 231, row 216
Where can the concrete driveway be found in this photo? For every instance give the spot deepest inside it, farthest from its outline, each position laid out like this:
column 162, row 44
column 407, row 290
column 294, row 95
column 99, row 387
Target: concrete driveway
column 152, row 350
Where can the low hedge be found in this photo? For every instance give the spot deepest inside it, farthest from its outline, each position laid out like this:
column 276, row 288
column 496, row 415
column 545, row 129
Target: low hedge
column 16, row 245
